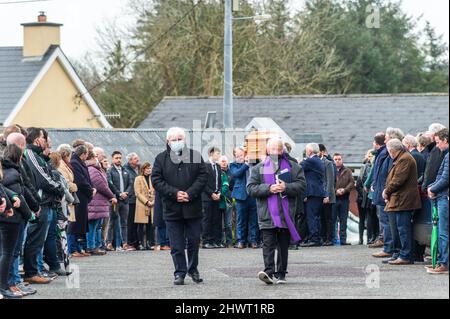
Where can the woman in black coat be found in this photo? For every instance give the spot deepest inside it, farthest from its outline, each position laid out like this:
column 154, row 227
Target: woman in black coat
column 13, row 213
column 13, row 180
column 77, row 230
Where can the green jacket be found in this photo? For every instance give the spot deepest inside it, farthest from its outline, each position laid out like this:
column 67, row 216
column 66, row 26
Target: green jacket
column 225, row 192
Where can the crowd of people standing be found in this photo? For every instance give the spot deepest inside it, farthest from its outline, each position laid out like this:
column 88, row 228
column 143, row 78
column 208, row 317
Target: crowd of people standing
column 72, row 202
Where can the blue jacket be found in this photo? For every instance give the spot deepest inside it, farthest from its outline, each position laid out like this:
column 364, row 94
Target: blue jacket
column 239, row 174
column 383, row 164
column 420, row 161
column 315, row 177
column 440, row 186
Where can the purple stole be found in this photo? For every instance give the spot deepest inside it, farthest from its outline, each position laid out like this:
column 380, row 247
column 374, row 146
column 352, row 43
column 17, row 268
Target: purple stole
column 269, row 178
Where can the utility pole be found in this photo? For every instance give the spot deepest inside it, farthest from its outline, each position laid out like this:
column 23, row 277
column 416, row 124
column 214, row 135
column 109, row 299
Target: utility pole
column 228, row 67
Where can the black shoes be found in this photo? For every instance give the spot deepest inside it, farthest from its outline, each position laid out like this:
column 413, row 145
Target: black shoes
column 310, row 244
column 61, row 272
column 345, row 244
column 179, row 281
column 196, row 278
column 328, row 243
column 280, row 279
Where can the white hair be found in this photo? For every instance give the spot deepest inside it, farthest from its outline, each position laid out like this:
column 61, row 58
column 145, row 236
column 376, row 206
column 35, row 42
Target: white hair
column 410, row 140
column 275, row 140
column 65, row 150
column 97, row 150
column 175, row 131
column 395, row 133
column 130, row 156
column 436, row 127
column 223, row 158
column 395, row 144
column 313, row 147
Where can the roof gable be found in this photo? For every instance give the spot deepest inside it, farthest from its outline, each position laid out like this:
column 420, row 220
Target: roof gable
column 19, row 77
column 16, row 76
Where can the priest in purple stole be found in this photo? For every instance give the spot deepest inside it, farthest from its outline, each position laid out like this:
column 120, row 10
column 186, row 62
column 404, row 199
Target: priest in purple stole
column 276, row 183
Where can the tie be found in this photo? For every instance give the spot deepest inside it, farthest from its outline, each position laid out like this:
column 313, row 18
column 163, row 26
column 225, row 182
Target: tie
column 217, row 177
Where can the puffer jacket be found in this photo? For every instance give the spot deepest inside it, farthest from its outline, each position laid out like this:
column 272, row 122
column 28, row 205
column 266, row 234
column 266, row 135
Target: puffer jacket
column 440, row 186
column 99, row 206
column 13, row 181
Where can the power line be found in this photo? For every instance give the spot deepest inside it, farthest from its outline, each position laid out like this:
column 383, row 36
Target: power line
column 138, row 54
column 24, row 1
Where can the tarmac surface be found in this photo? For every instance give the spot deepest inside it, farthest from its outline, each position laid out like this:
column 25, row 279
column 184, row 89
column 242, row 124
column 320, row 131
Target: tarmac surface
column 314, row 273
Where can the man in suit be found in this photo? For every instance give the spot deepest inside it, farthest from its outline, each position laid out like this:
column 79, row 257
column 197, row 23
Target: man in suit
column 327, row 226
column 212, row 218
column 314, row 169
column 120, row 185
column 345, row 183
column 246, row 215
column 179, row 177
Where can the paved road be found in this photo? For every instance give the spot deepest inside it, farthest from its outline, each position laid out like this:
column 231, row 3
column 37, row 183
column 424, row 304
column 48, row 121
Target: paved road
column 326, row 272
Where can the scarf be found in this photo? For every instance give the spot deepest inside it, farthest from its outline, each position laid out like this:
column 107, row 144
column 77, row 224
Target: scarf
column 269, row 178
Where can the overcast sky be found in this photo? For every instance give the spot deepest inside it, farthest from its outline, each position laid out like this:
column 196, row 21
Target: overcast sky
column 82, row 17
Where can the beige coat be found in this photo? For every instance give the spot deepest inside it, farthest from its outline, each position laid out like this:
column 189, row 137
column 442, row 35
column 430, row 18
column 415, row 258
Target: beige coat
column 68, row 175
column 144, row 193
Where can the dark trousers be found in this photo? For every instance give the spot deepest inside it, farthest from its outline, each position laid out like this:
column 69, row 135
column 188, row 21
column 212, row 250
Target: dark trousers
column 362, row 221
column 212, row 223
column 9, row 235
column 340, row 211
column 182, row 233
column 50, row 251
column 132, row 227
column 118, row 225
column 417, row 248
column 35, row 239
column 313, row 208
column 145, row 234
column 327, row 222
column 373, row 226
column 275, row 240
column 163, row 237
column 14, row 277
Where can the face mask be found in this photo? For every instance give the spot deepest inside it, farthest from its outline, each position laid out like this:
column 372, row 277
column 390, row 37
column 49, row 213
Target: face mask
column 275, row 157
column 177, row 146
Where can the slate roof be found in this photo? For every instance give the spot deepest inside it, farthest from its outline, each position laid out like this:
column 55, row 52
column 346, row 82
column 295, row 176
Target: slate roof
column 16, row 75
column 346, row 123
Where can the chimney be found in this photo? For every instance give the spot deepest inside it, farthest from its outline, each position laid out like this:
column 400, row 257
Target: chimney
column 39, row 36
